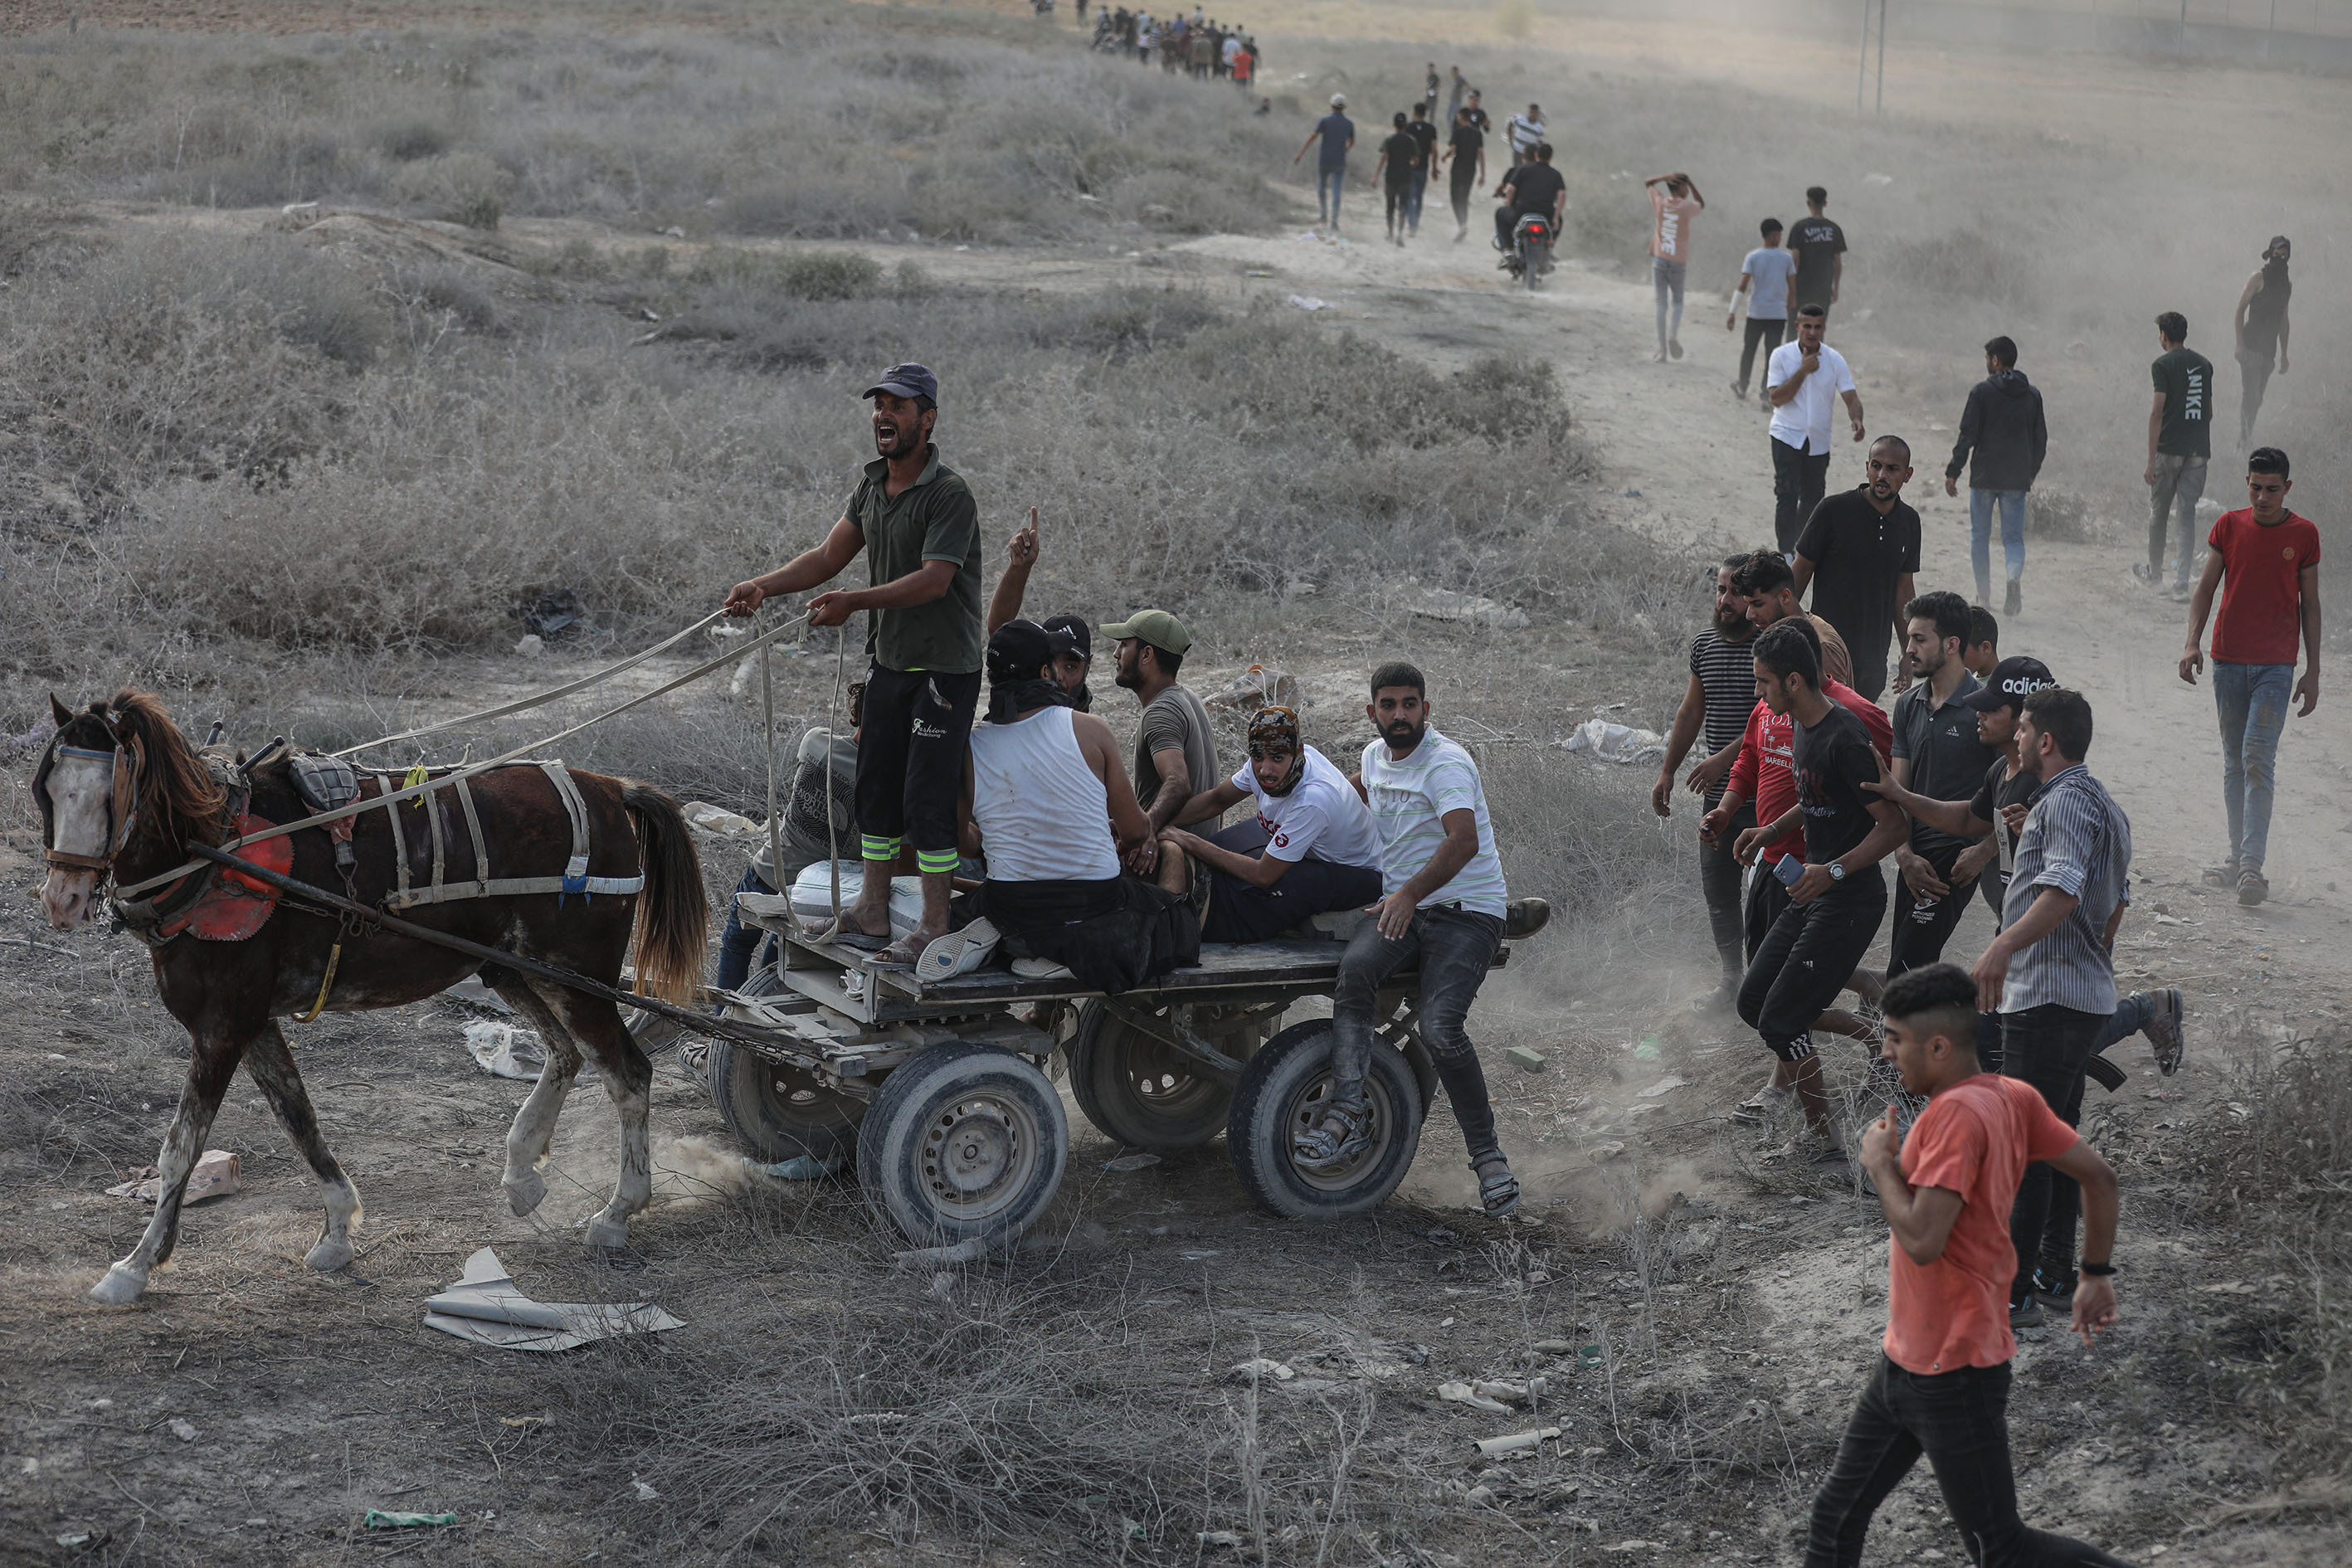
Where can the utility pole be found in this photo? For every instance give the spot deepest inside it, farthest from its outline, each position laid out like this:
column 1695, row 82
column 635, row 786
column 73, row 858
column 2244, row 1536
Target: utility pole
column 1862, row 62
column 1881, row 56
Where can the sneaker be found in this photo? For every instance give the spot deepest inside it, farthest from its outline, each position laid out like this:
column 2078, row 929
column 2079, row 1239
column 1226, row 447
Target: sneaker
column 2025, row 1314
column 2055, row 1292
column 1658, row 358
column 2180, row 593
column 1760, row 1107
column 2253, row 886
column 2163, row 1031
column 2010, row 601
column 2151, row 575
column 2225, row 875
column 1825, row 1151
column 1674, row 347
column 1740, row 390
column 1724, row 999
column 1524, row 917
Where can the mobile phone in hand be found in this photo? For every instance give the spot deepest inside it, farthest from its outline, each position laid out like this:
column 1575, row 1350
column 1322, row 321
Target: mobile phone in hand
column 1790, row 868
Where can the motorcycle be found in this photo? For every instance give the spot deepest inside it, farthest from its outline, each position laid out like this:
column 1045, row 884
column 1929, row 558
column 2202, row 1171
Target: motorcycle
column 1529, row 256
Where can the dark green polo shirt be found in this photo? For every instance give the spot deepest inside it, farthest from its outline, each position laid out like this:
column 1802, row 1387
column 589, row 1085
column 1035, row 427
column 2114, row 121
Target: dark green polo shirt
column 934, row 519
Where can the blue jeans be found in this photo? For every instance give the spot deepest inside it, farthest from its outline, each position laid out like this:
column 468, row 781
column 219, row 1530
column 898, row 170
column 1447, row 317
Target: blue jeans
column 2012, row 535
column 739, row 944
column 1329, row 180
column 1412, row 199
column 2179, row 485
column 1666, row 282
column 1456, row 948
column 2252, row 700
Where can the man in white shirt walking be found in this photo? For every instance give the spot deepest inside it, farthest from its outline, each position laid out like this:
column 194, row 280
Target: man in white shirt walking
column 1444, row 905
column 1803, row 379
column 1524, row 133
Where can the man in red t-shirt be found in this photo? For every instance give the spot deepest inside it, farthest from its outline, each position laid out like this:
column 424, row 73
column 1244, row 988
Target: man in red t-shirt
column 2265, row 561
column 1942, row 1386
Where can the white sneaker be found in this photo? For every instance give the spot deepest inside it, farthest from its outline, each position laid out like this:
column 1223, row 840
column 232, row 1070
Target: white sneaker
column 1040, row 969
column 958, row 953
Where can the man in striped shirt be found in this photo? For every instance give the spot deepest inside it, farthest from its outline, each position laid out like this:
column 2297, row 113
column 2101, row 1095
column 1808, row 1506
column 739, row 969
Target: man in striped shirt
column 2050, row 972
column 1716, row 703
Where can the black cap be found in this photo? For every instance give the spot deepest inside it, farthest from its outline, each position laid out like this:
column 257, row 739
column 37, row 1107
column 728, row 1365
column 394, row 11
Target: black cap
column 1070, row 634
column 1017, row 651
column 2014, row 680
column 907, row 380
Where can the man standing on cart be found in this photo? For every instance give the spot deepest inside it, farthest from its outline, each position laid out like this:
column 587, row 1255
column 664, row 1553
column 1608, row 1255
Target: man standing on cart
column 1444, row 906
column 915, row 519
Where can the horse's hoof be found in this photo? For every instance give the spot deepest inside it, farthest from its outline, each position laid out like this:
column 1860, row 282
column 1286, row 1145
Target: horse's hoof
column 525, row 1192
column 331, row 1253
column 606, row 1235
column 120, row 1288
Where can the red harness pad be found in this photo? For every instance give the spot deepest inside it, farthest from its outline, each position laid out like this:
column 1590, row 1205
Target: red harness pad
column 236, row 905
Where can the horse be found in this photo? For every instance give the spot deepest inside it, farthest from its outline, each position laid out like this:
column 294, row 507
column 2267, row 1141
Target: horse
column 122, row 793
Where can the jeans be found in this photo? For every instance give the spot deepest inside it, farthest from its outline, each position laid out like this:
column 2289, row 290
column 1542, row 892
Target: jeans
column 1399, row 195
column 2179, row 485
column 1765, row 329
column 1667, row 278
column 1456, row 948
column 1924, row 922
column 2046, row 1047
column 2252, row 699
column 1330, row 179
column 1718, row 879
column 2131, row 1016
column 1798, row 478
column 739, row 944
column 1420, row 188
column 1806, row 960
column 2012, row 535
column 1959, row 1419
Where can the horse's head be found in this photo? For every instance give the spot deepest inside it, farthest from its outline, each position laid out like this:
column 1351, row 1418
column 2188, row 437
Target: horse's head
column 116, row 779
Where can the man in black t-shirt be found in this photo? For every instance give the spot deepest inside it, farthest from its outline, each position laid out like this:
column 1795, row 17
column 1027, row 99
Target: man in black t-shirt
column 1400, row 157
column 1937, row 753
column 1858, row 553
column 1534, row 187
column 1421, row 129
column 1819, row 245
column 1838, row 896
column 1465, row 157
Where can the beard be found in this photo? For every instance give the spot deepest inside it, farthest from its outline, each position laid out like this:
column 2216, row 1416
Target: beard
column 896, row 440
column 1403, row 737
column 1730, row 622
column 1130, row 678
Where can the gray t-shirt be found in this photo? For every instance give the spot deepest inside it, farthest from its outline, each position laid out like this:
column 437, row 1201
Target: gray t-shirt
column 1175, row 721
column 1768, row 267
column 806, row 840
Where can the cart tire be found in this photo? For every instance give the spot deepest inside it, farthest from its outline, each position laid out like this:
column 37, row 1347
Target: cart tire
column 779, row 1112
column 1137, row 1092
column 1282, row 1090
column 963, row 1141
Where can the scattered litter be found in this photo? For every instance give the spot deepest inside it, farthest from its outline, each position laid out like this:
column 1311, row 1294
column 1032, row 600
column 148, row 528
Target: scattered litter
column 1258, row 1369
column 1199, row 1256
column 181, row 1429
column 1602, row 1153
column 1509, row 1392
column 1463, row 1393
column 803, row 1168
column 1517, row 1441
column 1222, row 1538
column 1663, row 1086
column 1524, row 1057
column 1647, row 1051
column 1588, row 1357
column 520, row 1422
column 1555, row 1347
column 725, row 631
column 472, row 991
column 2164, row 920
column 530, row 645
column 1633, row 1545
column 1444, row 1322
column 377, row 1519
column 716, row 818
column 970, row 1250
column 1443, row 1236
column 673, row 232
column 963, row 247
column 74, row 1538
column 556, row 610
column 1445, row 604
column 644, row 1491
column 486, row 1307
column 504, row 1051
column 1615, row 742
column 1309, row 302
column 1131, row 1162
column 290, row 208
column 216, row 1176
column 1868, row 180
column 1257, row 687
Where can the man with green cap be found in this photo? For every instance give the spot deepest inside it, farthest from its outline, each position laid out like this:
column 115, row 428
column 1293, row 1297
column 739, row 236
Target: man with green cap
column 1176, row 747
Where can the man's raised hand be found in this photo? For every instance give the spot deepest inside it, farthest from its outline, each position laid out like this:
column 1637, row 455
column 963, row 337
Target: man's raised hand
column 1022, row 550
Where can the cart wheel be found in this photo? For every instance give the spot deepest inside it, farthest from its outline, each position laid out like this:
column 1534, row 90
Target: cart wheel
column 1138, row 1092
column 964, row 1140
column 780, row 1112
column 1283, row 1091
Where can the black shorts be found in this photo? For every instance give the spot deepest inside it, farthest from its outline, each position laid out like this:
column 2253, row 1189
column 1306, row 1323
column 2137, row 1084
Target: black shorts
column 910, row 760
column 1767, row 897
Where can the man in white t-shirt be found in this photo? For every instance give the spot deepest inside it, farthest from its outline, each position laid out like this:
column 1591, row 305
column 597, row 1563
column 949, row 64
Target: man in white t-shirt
column 1444, row 905
column 1526, row 132
column 1803, row 379
column 1310, row 849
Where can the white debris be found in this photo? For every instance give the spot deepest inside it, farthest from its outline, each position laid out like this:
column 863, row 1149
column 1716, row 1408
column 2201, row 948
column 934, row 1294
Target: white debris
column 486, row 1307
column 1259, row 1368
column 530, row 646
column 1309, row 302
column 181, row 1430
column 504, row 1051
column 718, row 818
column 1615, row 742
column 1517, row 1441
column 214, row 1176
column 1662, row 1087
column 1463, row 1393
column 1445, row 604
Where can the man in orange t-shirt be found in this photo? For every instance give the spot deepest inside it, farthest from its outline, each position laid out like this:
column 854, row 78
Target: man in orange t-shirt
column 2265, row 562
column 1942, row 1386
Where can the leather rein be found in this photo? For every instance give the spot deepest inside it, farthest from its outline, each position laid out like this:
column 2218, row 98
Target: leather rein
column 128, row 796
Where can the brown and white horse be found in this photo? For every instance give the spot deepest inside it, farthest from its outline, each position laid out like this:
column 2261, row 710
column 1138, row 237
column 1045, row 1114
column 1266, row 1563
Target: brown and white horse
column 122, row 792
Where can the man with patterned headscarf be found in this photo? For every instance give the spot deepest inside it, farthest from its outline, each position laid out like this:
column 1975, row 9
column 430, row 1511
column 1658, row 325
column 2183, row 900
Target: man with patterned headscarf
column 1311, row 848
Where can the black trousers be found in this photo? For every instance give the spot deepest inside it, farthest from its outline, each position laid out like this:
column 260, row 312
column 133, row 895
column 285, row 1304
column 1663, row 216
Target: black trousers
column 1924, row 921
column 910, row 757
column 2047, row 1047
column 1241, row 911
column 1462, row 174
column 2255, row 369
column 1959, row 1420
column 1805, row 960
column 1798, row 479
column 1718, row 879
column 1765, row 331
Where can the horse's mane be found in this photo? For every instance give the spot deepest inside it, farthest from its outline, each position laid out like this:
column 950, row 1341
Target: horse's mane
column 182, row 804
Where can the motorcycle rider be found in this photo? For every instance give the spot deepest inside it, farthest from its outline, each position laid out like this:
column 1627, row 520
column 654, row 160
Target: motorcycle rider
column 1533, row 187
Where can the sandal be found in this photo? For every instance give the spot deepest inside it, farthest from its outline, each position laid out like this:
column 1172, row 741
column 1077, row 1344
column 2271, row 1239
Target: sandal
column 2253, row 886
column 1345, row 1133
column 840, row 933
column 2225, row 875
column 1499, row 1194
column 901, row 954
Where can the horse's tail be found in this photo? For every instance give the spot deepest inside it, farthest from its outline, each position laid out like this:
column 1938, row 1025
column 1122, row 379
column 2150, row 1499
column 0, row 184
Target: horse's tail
column 673, row 912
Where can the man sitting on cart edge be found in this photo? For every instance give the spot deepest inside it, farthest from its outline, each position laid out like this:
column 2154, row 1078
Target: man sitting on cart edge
column 1444, row 906
column 1043, row 796
column 916, row 520
column 1311, row 848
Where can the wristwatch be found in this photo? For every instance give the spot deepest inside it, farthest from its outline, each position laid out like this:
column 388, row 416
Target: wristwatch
column 1837, row 872
column 2094, row 1270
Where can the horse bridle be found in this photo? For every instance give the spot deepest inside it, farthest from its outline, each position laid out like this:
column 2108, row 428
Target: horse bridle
column 122, row 804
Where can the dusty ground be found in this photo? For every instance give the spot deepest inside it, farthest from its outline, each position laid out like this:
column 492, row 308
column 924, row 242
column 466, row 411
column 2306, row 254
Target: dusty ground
column 1738, row 1302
